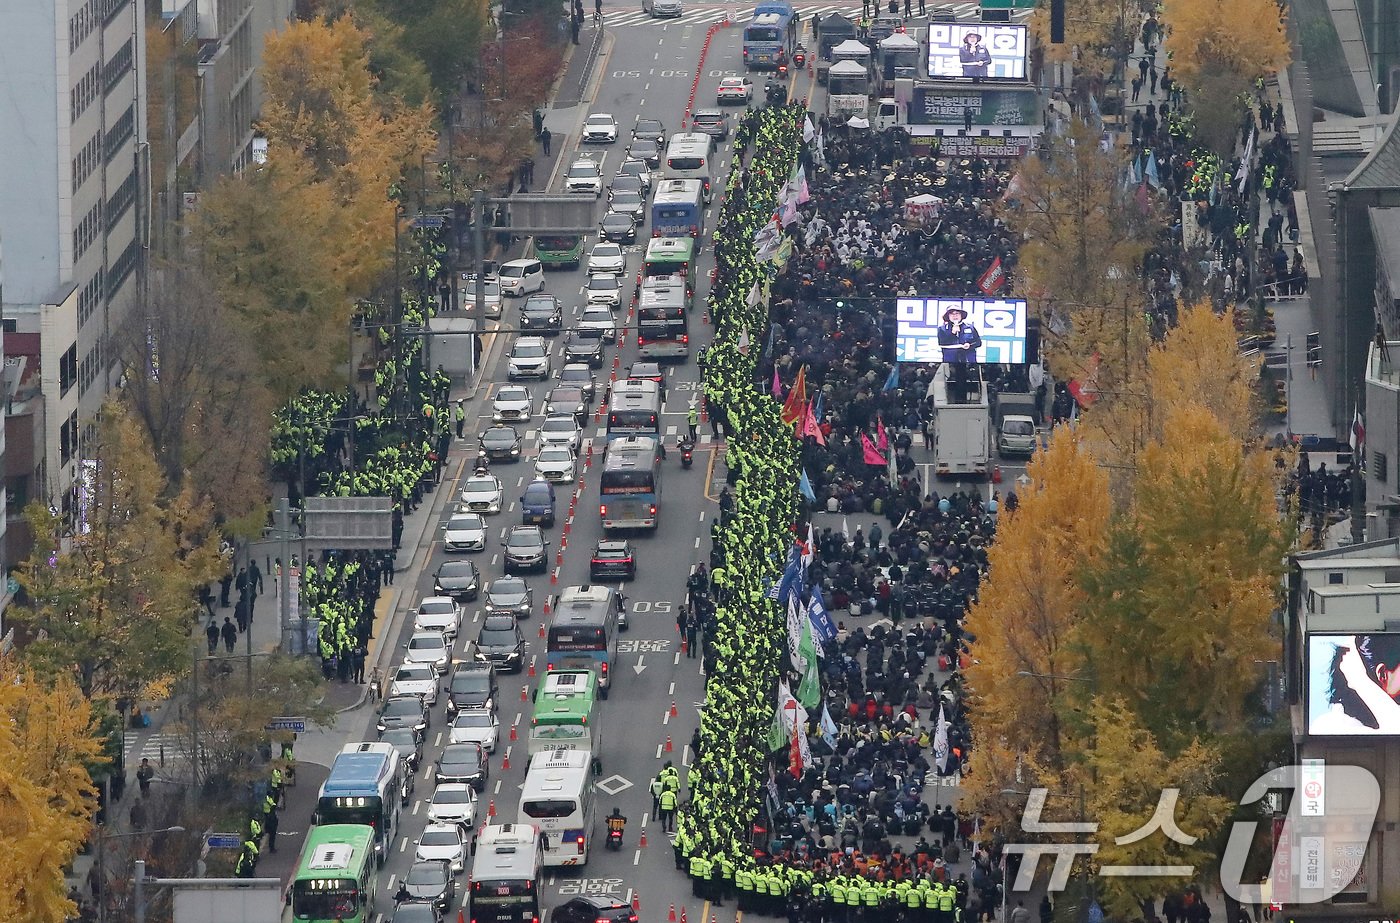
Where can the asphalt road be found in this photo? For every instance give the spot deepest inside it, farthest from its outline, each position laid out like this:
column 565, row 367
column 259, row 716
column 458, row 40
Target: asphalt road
column 647, row 71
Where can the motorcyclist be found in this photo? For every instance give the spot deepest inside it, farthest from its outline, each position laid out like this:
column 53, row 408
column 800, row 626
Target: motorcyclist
column 617, row 822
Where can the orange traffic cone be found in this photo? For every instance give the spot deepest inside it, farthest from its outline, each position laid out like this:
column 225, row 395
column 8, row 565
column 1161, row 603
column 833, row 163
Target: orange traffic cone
column 682, row 915
column 512, row 733
column 505, row 760
column 996, row 475
column 669, row 748
column 674, row 713
column 636, row 902
column 491, row 808
column 532, row 668
column 643, row 843
column 524, row 693
column 671, row 917
column 546, row 612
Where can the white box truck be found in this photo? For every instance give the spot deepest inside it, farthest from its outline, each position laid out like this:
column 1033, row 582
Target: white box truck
column 962, row 432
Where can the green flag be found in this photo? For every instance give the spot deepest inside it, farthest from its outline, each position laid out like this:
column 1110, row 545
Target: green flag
column 809, row 692
column 777, row 733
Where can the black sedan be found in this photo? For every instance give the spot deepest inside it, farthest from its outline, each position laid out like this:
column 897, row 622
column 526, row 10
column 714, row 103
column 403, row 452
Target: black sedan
column 408, row 743
column 404, row 711
column 541, row 313
column 651, row 130
column 429, row 881
column 463, row 763
column 619, row 227
column 647, row 151
column 525, row 549
column 584, row 345
column 501, row 642
column 613, row 560
column 578, row 375
column 512, row 595
column 416, row 913
column 564, row 399
column 458, row 579
column 501, row 443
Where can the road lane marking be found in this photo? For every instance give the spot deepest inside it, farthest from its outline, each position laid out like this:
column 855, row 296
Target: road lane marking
column 677, row 661
column 685, row 755
column 637, row 857
column 438, row 741
column 672, row 690
column 416, row 805
column 403, row 844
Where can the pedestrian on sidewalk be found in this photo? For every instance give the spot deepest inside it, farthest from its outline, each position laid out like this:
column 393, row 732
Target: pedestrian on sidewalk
column 357, row 663
column 240, row 613
column 144, row 774
column 270, row 820
column 255, row 578
column 230, row 634
column 225, row 584
column 138, row 816
column 574, row 23
column 1137, row 88
column 1142, row 68
column 460, row 416
column 545, row 136
column 597, row 10
column 921, row 8
column 212, row 633
column 1152, row 81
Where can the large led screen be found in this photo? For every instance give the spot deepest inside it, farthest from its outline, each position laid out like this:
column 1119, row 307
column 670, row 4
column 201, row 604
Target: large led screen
column 1354, row 684
column 977, row 50
column 1000, row 323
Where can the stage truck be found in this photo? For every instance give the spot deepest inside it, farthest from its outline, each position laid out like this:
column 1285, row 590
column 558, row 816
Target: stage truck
column 962, row 433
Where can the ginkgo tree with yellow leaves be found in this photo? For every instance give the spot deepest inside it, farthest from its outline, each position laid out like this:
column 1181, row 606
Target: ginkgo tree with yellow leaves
column 47, row 798
column 1121, row 633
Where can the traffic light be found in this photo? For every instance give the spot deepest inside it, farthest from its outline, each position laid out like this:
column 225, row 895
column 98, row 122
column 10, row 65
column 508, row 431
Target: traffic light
column 1057, row 22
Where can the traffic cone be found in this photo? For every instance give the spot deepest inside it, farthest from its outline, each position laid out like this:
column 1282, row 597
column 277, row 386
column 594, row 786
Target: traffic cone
column 491, row 808
column 524, row 693
column 671, row 917
column 636, row 902
column 461, row 916
column 669, row 748
column 532, row 668
column 682, row 915
column 674, row 713
column 996, row 475
column 643, row 843
column 513, row 735
column 505, row 760
column 546, row 612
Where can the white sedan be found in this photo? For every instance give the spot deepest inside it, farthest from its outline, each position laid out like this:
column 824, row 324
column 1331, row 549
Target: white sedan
column 734, row 90
column 464, row 532
column 453, row 803
column 604, row 288
column 429, row 647
column 476, row 726
column 482, row 494
column 438, row 613
column 600, row 318
column 607, row 257
column 557, row 464
column 415, row 679
column 560, row 429
column 600, row 128
column 444, row 841
column 512, row 403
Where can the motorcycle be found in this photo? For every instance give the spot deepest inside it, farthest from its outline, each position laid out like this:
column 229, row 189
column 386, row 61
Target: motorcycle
column 614, row 841
column 799, row 57
column 687, row 453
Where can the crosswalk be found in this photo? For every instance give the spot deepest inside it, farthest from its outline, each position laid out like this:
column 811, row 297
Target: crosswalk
column 707, row 13
column 170, row 748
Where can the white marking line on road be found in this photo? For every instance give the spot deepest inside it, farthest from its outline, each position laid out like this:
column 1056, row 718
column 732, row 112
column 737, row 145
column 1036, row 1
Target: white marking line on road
column 403, row 844
column 677, row 661
column 702, row 515
column 516, row 722
column 646, row 816
column 685, row 755
column 438, row 741
column 659, row 748
column 637, row 857
column 657, row 56
column 498, row 787
column 496, row 557
column 642, row 101
column 697, row 541
column 511, row 508
column 550, row 881
column 672, row 690
column 379, row 917
column 416, row 805
column 520, row 481
column 392, row 880
column 666, row 718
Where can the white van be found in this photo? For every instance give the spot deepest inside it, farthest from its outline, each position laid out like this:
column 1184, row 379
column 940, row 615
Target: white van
column 658, row 8
column 691, row 155
column 521, row 277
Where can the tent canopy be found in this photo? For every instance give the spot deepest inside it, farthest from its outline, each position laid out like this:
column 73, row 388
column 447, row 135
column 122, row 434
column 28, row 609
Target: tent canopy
column 923, row 199
column 850, row 47
column 835, row 24
column 899, row 40
column 857, row 121
column 848, row 69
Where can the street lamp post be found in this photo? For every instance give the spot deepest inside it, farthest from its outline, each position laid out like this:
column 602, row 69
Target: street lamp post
column 102, row 838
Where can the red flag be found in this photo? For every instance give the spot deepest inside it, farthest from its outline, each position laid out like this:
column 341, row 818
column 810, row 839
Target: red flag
column 872, row 454
column 777, row 386
column 993, row 279
column 793, row 407
column 882, row 441
column 810, row 427
column 796, row 766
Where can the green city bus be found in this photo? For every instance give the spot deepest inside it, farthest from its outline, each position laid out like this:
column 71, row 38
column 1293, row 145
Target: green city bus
column 671, row 256
column 335, row 880
column 559, row 251
column 564, row 716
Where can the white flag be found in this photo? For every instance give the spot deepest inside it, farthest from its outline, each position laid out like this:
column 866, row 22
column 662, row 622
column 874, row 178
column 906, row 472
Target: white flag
column 809, row 131
column 940, row 741
column 795, row 617
column 828, row 728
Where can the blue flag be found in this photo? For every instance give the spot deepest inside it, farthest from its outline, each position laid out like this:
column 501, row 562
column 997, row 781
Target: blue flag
column 805, row 485
column 1151, row 171
column 817, row 406
column 822, row 624
column 791, row 574
column 893, row 381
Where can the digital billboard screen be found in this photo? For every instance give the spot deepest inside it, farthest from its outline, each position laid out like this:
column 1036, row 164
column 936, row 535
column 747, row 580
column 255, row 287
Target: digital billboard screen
column 1354, row 684
column 1000, row 324
column 977, row 50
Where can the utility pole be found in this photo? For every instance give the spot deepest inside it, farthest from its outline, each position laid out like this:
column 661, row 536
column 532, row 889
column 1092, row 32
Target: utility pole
column 478, row 254
column 284, row 577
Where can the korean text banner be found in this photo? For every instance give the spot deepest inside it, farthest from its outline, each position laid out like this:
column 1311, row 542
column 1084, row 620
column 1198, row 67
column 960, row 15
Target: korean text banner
column 1001, row 322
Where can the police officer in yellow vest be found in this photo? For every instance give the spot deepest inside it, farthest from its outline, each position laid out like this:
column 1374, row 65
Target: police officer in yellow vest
column 699, row 875
column 722, row 879
column 743, row 884
column 946, row 899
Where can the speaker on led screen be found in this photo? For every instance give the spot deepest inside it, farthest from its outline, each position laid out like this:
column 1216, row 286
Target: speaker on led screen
column 1000, row 324
column 981, row 51
column 1354, row 684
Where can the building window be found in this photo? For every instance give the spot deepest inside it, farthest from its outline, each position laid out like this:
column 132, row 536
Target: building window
column 68, row 439
column 87, row 160
column 89, row 297
column 117, row 135
column 81, row 24
column 1380, row 468
column 86, row 231
column 1334, row 578
column 121, row 200
column 122, row 268
column 90, row 368
column 111, row 8
column 68, row 369
column 115, row 69
column 82, row 95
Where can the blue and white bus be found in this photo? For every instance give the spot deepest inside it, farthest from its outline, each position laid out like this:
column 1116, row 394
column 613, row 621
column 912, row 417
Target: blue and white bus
column 634, row 409
column 629, row 492
column 678, row 208
column 583, row 632
column 364, row 787
column 771, row 35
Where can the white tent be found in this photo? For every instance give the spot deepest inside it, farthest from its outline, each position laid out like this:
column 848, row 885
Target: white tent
column 850, row 48
column 923, row 199
column 849, row 69
column 899, row 40
column 857, row 121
